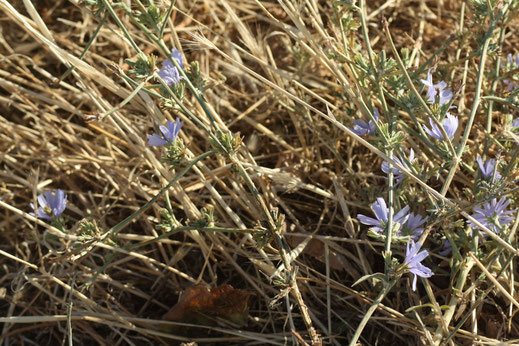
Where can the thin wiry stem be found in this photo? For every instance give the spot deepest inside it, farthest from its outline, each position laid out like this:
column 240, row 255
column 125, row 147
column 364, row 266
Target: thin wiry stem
column 477, row 98
column 371, row 310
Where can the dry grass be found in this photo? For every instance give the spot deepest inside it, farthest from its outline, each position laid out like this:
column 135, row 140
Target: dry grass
column 301, row 160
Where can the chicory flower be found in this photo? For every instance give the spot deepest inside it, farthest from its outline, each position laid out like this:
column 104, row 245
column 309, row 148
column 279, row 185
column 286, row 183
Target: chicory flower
column 512, row 65
column 381, row 211
column 413, row 226
column 487, row 168
column 413, row 259
column 450, row 124
column 50, row 205
column 363, row 128
column 447, row 248
column 399, row 175
column 169, row 132
column 169, row 72
column 445, row 95
column 492, row 215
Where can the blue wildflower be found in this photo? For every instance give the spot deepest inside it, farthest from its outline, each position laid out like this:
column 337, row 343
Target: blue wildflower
column 362, row 128
column 450, row 124
column 50, row 205
column 445, row 95
column 413, row 259
column 510, row 59
column 487, row 168
column 447, row 248
column 382, row 213
column 399, row 175
column 413, row 226
column 515, row 123
column 512, row 65
column 169, row 73
column 493, row 215
column 170, row 133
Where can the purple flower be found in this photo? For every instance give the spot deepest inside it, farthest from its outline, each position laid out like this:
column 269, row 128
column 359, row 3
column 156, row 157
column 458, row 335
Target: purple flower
column 170, row 133
column 436, row 89
column 450, row 124
column 515, row 123
column 413, row 226
column 493, row 215
column 362, row 128
column 429, row 84
column 413, row 259
column 510, row 85
column 445, row 97
column 510, row 59
column 169, row 73
column 399, row 175
column 447, row 248
column 511, row 66
column 50, row 205
column 487, row 168
column 382, row 213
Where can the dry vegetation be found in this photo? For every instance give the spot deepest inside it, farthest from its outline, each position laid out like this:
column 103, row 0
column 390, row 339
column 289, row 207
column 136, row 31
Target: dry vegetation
column 272, row 80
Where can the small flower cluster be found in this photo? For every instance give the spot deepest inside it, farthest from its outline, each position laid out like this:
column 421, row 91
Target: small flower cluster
column 170, row 74
column 407, row 223
column 492, row 215
column 438, row 94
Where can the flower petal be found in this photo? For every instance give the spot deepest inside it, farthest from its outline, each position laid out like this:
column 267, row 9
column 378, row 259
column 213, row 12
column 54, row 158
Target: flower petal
column 178, row 57
column 42, row 214
column 156, row 140
column 365, row 220
column 380, row 209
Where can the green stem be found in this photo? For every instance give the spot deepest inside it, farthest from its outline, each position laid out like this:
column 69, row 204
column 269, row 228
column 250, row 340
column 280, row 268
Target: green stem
column 494, row 83
column 142, row 209
column 121, row 26
column 110, row 258
column 185, row 110
column 87, row 47
column 163, row 27
column 389, row 226
column 413, row 88
column 365, row 34
column 466, row 267
column 190, row 228
column 370, row 312
column 160, row 42
column 477, row 99
column 501, row 100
